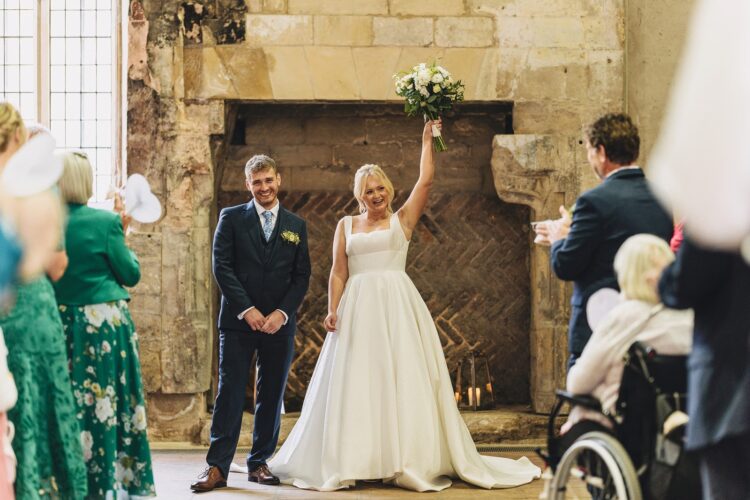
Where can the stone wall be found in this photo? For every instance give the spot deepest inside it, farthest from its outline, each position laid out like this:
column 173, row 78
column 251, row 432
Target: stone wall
column 655, row 35
column 561, row 62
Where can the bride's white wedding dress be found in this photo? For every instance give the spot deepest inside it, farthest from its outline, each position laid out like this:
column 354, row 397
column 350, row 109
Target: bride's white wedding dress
column 380, row 403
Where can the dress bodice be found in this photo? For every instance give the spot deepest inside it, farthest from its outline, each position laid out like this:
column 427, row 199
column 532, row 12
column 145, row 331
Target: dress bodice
column 381, row 250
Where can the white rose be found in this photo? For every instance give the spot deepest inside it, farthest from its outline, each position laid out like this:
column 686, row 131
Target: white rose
column 139, row 418
column 103, row 409
column 95, row 314
column 436, row 88
column 437, row 78
column 88, row 399
column 87, row 442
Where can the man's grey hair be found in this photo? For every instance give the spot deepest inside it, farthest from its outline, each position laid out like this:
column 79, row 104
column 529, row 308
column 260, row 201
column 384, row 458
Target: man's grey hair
column 259, row 163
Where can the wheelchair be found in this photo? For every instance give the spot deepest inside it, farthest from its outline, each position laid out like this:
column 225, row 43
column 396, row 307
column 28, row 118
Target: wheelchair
column 640, row 457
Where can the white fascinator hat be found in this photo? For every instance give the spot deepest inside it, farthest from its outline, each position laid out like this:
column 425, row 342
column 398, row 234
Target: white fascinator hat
column 140, row 203
column 33, row 168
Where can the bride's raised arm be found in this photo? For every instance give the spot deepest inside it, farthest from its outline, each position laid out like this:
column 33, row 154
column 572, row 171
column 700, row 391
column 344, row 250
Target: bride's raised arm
column 337, row 279
column 410, row 213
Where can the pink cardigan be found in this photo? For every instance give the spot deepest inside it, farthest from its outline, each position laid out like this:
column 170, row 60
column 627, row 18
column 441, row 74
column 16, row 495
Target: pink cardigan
column 599, row 369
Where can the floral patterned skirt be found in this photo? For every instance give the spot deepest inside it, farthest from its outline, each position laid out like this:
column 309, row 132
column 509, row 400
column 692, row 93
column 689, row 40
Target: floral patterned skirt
column 106, row 375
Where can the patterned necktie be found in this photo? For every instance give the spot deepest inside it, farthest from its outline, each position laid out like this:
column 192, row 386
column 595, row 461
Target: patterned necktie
column 267, row 224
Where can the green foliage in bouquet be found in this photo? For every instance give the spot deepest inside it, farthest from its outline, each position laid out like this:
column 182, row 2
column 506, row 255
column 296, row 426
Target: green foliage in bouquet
column 430, row 91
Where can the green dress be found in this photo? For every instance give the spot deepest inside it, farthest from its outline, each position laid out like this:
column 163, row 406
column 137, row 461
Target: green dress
column 103, row 351
column 47, row 438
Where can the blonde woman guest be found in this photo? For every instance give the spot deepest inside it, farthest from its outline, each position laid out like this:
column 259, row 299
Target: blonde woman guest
column 102, row 341
column 640, row 317
column 380, row 404
column 47, row 438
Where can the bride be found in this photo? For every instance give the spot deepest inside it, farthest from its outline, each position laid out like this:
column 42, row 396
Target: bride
column 380, row 403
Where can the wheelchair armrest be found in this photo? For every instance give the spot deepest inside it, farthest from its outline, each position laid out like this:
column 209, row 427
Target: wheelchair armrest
column 585, row 400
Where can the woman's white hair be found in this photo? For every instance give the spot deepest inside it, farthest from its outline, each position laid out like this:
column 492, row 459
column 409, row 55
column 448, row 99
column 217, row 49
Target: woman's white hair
column 638, row 264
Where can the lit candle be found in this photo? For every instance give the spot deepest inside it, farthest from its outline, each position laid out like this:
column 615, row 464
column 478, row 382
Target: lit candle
column 471, row 396
column 479, row 396
column 458, row 397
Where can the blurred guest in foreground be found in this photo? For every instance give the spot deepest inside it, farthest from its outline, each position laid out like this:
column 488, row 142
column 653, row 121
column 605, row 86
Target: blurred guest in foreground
column 716, row 284
column 46, row 440
column 102, row 341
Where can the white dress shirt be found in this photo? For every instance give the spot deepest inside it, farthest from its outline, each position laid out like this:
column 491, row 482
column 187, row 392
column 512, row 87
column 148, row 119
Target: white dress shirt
column 275, row 211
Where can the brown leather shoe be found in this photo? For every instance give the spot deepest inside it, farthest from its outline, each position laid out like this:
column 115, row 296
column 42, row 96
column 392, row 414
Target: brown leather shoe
column 208, row 480
column 262, row 475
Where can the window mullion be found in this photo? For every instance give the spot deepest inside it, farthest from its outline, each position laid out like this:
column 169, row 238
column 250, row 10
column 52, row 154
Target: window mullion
column 43, row 62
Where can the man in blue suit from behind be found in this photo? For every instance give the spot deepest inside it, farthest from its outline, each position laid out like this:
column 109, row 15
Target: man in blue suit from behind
column 583, row 250
column 262, row 266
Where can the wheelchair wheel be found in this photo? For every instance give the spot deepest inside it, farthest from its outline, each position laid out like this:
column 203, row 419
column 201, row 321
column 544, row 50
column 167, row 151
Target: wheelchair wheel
column 595, row 466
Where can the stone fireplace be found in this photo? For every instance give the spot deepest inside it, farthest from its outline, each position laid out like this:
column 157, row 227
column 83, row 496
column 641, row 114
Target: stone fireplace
column 309, row 82
column 469, row 256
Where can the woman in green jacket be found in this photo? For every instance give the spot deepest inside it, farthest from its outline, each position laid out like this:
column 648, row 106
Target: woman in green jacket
column 102, row 341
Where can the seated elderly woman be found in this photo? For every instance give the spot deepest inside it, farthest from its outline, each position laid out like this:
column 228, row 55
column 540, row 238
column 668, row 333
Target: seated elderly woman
column 639, row 317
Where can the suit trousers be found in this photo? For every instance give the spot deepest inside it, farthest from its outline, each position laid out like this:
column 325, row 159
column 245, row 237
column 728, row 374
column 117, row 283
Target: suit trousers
column 725, row 469
column 236, row 349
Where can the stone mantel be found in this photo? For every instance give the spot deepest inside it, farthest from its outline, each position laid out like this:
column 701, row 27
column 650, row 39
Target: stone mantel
column 541, row 172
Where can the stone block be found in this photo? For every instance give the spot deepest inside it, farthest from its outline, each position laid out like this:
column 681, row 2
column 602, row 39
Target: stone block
column 541, row 32
column 302, row 155
column 604, row 32
column 176, row 417
column 332, row 71
column 532, row 8
column 264, row 30
column 351, row 31
column 422, row 8
column 226, row 71
column 357, row 155
column 553, row 117
column 321, row 178
column 289, row 73
column 254, row 5
column 338, row 7
column 414, row 31
column 275, row 6
column 260, row 130
column 465, row 32
column 326, row 131
column 396, row 131
column 373, row 66
column 477, row 68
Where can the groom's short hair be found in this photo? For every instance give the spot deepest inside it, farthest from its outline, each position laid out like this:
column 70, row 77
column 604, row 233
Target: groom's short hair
column 259, row 163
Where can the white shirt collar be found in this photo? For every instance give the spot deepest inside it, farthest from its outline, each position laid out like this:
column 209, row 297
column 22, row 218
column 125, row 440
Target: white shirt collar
column 629, row 167
column 274, row 210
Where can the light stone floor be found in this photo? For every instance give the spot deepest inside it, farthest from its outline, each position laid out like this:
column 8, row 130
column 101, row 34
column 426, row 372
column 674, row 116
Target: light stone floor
column 174, row 470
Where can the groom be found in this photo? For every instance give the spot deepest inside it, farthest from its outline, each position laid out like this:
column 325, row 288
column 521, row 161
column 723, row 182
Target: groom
column 262, row 266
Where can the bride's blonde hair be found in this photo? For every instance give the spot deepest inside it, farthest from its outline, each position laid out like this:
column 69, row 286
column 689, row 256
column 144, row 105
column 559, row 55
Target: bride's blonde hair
column 360, row 184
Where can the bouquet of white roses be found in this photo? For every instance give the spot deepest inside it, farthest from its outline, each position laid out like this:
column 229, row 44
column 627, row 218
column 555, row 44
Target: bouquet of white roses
column 431, row 91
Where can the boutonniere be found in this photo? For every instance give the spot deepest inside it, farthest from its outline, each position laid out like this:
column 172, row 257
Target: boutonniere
column 290, row 237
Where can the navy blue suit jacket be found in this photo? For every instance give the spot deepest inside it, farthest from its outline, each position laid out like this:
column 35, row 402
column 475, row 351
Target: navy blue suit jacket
column 252, row 272
column 604, row 217
column 717, row 286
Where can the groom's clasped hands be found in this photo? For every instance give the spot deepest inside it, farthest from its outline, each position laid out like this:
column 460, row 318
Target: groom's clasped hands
column 267, row 324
